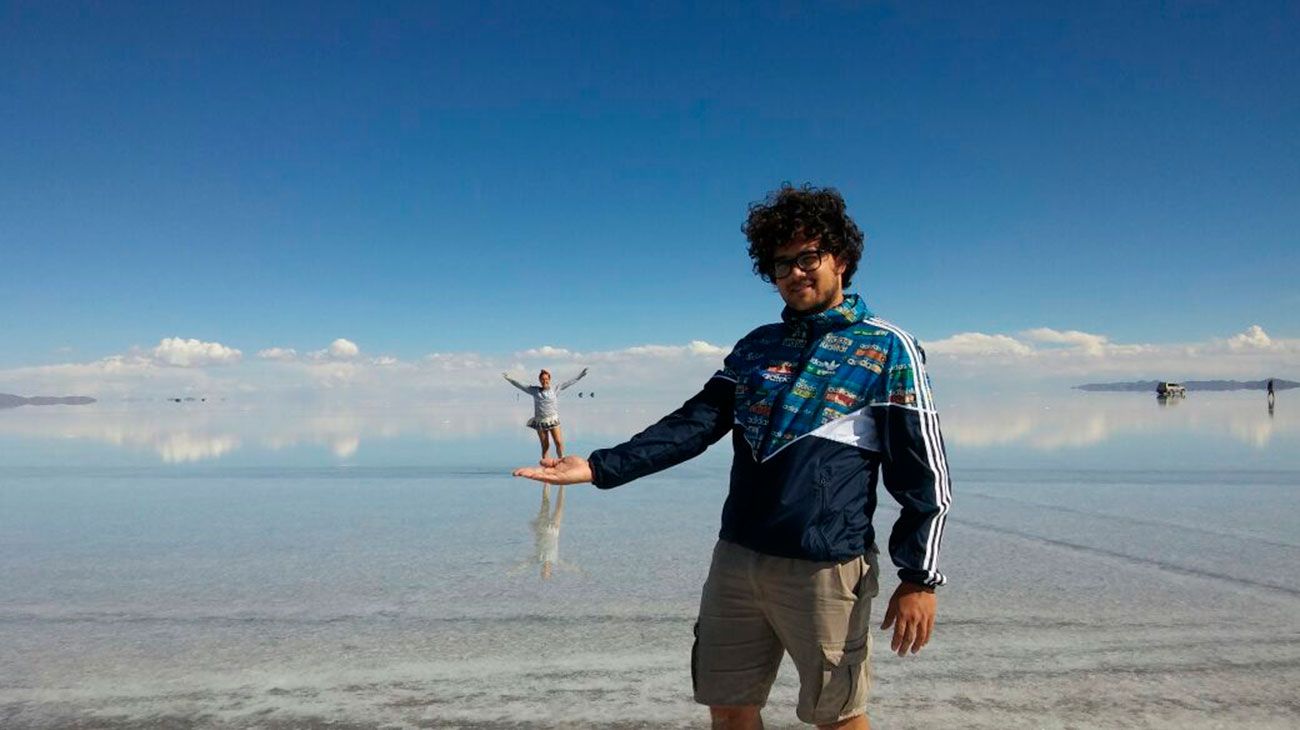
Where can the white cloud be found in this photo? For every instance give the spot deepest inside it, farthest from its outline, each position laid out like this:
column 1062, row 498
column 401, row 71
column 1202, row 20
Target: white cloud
column 1046, row 354
column 343, row 374
column 1254, row 338
column 136, row 372
column 182, row 353
column 334, row 374
column 696, row 349
column 342, row 349
column 111, row 365
column 548, row 351
column 448, row 361
column 978, row 343
column 282, row 354
column 700, row 347
column 1088, row 343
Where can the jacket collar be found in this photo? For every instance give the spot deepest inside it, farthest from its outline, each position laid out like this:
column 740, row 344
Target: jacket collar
column 848, row 312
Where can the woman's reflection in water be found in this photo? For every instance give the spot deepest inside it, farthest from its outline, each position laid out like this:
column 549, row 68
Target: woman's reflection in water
column 546, row 536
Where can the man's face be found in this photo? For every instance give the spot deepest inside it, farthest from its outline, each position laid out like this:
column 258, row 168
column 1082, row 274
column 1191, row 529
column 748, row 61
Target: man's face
column 809, row 292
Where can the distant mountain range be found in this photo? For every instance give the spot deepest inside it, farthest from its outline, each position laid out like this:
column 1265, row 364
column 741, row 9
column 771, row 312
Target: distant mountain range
column 13, row 401
column 1149, row 386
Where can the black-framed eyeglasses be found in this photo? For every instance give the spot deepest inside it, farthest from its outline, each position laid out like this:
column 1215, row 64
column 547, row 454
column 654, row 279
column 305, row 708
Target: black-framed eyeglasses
column 807, row 261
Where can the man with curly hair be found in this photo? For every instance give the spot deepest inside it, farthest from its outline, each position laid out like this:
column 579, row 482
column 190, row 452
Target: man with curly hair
column 819, row 405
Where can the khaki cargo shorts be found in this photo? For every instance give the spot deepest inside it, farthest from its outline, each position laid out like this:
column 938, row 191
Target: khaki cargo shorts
column 756, row 607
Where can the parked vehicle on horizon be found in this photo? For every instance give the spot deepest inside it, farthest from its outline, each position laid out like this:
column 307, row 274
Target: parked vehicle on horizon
column 1170, row 390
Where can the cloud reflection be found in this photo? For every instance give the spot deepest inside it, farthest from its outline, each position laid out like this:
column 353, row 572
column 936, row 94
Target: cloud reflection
column 178, row 448
column 206, row 432
column 1081, row 420
column 194, row 432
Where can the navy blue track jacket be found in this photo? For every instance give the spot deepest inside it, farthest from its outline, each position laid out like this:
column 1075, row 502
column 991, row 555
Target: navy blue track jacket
column 817, row 408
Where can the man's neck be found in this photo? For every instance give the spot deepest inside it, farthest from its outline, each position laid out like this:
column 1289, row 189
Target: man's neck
column 835, row 303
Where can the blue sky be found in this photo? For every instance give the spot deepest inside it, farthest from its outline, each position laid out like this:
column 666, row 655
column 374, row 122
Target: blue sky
column 495, row 177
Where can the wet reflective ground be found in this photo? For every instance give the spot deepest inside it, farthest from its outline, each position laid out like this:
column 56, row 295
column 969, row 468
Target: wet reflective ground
column 1114, row 563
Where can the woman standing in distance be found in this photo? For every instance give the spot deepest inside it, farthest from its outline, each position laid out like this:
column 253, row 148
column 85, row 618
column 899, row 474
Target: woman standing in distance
column 546, row 411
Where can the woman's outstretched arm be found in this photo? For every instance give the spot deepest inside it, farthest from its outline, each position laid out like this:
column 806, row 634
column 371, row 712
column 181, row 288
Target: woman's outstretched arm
column 527, row 389
column 580, row 376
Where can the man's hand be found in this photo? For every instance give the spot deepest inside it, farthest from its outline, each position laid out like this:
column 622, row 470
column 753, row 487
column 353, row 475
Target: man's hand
column 569, row 470
column 911, row 613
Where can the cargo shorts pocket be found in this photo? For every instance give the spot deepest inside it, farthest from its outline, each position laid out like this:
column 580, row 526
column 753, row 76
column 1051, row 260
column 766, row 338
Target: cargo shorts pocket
column 869, row 586
column 845, row 680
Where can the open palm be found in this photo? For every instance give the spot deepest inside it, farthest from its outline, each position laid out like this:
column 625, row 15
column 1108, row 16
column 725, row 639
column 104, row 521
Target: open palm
column 569, row 470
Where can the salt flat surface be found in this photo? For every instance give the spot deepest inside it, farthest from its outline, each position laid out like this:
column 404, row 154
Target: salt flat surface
column 1089, row 589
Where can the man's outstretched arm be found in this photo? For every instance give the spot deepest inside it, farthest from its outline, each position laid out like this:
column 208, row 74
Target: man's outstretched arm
column 683, row 434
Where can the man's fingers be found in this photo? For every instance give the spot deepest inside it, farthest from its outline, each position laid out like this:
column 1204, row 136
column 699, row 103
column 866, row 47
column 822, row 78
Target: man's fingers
column 922, row 635
column 910, row 637
column 911, row 632
column 537, row 474
column 890, row 614
column 916, row 631
column 907, row 629
column 900, row 633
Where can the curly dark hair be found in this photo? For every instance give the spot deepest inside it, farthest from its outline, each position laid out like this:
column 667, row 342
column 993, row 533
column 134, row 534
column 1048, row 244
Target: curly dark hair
column 808, row 213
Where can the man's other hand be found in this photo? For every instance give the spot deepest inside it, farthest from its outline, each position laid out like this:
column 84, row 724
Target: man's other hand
column 569, row 470
column 911, row 613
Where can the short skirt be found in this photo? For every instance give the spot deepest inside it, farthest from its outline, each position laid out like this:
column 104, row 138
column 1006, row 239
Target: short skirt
column 543, row 424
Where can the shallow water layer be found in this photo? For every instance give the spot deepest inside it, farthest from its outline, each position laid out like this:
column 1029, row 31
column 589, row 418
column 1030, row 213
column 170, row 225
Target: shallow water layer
column 1087, row 589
